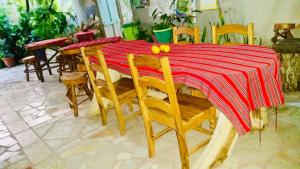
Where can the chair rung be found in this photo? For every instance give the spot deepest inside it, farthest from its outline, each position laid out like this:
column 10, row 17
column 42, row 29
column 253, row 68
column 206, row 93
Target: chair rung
column 83, row 101
column 70, row 102
column 199, row 146
column 132, row 115
column 162, row 132
column 203, row 130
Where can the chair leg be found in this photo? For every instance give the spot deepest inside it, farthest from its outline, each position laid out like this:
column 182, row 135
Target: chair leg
column 183, row 149
column 212, row 117
column 150, row 136
column 74, row 100
column 120, row 118
column 130, row 106
column 27, row 71
column 103, row 113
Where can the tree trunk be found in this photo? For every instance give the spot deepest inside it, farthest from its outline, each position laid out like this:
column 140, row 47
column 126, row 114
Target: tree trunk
column 27, row 6
column 51, row 4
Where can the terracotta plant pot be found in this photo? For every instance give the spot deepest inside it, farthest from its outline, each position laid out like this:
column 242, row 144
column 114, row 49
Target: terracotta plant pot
column 9, row 61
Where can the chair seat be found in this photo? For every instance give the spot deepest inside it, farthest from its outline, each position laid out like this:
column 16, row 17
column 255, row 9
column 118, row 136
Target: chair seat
column 190, row 107
column 29, row 59
column 123, row 88
column 74, row 78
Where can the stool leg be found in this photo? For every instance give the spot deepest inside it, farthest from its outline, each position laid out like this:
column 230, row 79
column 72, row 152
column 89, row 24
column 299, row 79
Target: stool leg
column 87, row 91
column 49, row 68
column 60, row 69
column 36, row 69
column 26, row 71
column 74, row 100
column 39, row 69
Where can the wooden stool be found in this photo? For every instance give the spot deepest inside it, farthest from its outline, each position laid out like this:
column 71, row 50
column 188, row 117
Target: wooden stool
column 72, row 81
column 32, row 60
column 66, row 63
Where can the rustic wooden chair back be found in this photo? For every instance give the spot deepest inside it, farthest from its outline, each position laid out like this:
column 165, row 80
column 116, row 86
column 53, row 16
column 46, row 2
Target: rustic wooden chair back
column 168, row 111
column 233, row 28
column 192, row 32
column 119, row 92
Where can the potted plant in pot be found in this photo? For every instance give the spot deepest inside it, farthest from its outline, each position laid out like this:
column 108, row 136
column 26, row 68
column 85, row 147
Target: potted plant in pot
column 131, row 30
column 163, row 29
column 6, row 56
column 181, row 17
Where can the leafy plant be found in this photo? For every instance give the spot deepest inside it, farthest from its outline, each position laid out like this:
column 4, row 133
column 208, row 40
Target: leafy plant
column 165, row 20
column 175, row 19
column 48, row 23
column 203, row 37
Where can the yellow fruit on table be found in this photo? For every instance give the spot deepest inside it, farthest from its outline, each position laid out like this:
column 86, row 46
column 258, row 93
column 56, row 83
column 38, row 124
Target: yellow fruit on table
column 155, row 49
column 162, row 47
column 166, row 48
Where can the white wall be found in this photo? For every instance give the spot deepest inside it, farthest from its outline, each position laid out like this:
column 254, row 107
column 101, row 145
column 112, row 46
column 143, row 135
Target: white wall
column 263, row 13
column 77, row 7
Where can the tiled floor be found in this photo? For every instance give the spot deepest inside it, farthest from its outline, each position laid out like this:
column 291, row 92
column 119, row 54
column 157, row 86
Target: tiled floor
column 38, row 130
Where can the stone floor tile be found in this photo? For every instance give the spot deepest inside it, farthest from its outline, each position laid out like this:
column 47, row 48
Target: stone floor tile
column 23, row 164
column 52, row 163
column 8, row 155
column 67, row 128
column 124, row 156
column 39, row 120
column 17, row 126
column 26, row 137
column 10, row 117
column 37, row 152
column 7, row 142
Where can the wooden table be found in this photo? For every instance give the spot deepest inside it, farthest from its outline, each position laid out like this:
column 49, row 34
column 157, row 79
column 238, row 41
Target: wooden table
column 243, row 78
column 53, row 44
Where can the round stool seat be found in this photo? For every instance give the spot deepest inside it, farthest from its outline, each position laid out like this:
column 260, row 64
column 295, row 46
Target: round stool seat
column 29, row 59
column 74, row 78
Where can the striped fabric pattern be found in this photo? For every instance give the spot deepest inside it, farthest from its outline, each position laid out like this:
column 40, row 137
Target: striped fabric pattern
column 46, row 43
column 236, row 79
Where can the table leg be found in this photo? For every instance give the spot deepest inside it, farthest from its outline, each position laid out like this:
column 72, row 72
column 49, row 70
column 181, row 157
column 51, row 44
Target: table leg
column 220, row 145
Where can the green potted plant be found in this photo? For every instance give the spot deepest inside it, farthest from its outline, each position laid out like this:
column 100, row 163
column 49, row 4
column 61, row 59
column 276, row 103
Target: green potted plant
column 131, row 30
column 163, row 29
column 6, row 56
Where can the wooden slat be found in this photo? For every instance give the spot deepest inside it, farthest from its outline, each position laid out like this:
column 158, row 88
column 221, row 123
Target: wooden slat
column 153, row 82
column 100, row 82
column 147, row 61
column 96, row 68
column 159, row 104
column 232, row 28
column 193, row 32
column 183, row 30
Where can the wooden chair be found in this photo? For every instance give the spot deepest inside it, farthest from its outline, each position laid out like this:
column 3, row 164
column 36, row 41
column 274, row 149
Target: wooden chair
column 192, row 32
column 178, row 111
column 233, row 28
column 120, row 92
column 72, row 81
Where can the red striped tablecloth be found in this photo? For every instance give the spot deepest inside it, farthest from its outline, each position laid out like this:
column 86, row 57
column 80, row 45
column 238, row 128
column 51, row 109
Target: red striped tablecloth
column 236, row 79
